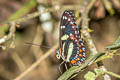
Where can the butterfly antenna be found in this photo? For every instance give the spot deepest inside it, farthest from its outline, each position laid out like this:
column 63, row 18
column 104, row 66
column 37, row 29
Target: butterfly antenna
column 36, row 44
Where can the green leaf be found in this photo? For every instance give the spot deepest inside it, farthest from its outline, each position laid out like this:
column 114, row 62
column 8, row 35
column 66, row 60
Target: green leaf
column 89, row 76
column 118, row 40
column 26, row 8
column 115, row 45
column 97, row 70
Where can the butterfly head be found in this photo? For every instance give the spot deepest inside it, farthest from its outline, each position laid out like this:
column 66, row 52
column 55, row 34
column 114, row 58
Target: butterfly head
column 58, row 54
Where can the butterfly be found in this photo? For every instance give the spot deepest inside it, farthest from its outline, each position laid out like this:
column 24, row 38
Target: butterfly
column 71, row 47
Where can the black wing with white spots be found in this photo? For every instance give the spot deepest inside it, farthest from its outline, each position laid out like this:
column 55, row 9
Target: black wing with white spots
column 71, row 46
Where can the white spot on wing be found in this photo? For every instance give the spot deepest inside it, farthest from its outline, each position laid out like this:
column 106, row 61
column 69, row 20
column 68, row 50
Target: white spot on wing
column 81, row 60
column 63, row 26
column 75, row 32
column 80, row 39
column 76, row 36
column 69, row 19
column 83, row 54
column 65, row 17
column 70, row 34
column 83, row 49
column 82, row 44
column 78, row 48
column 71, row 22
column 78, row 62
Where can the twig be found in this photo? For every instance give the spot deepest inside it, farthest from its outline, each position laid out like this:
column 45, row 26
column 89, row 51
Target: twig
column 100, row 72
column 112, row 74
column 18, row 61
column 108, row 6
column 11, row 33
column 27, row 7
column 34, row 65
column 73, row 71
column 88, row 37
column 115, row 45
column 33, row 15
column 36, row 14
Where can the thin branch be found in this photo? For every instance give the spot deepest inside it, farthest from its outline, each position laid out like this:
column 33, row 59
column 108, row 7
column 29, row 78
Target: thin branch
column 88, row 38
column 11, row 33
column 33, row 15
column 92, row 59
column 100, row 72
column 27, row 7
column 19, row 62
column 112, row 74
column 73, row 71
column 115, row 45
column 34, row 65
column 36, row 14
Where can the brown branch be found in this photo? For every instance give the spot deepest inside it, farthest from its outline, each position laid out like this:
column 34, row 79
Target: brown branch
column 31, row 16
column 88, row 38
column 36, row 14
column 11, row 33
column 34, row 65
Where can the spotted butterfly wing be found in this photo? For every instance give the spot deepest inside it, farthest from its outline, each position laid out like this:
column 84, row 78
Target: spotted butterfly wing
column 71, row 47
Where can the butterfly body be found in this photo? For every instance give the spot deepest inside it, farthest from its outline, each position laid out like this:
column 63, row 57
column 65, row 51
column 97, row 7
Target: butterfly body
column 71, row 47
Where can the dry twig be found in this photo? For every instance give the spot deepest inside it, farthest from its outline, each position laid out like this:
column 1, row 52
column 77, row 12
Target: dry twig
column 88, row 37
column 11, row 33
column 34, row 65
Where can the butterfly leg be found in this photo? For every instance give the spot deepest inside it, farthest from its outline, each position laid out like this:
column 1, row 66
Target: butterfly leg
column 66, row 66
column 59, row 67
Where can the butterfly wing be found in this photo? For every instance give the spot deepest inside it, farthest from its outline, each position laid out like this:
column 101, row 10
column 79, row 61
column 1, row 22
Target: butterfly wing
column 71, row 46
column 65, row 30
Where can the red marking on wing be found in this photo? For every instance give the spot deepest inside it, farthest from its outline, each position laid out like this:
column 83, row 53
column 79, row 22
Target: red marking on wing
column 77, row 41
column 73, row 61
column 80, row 50
column 77, row 59
column 61, row 51
column 79, row 55
column 80, row 46
column 73, row 24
